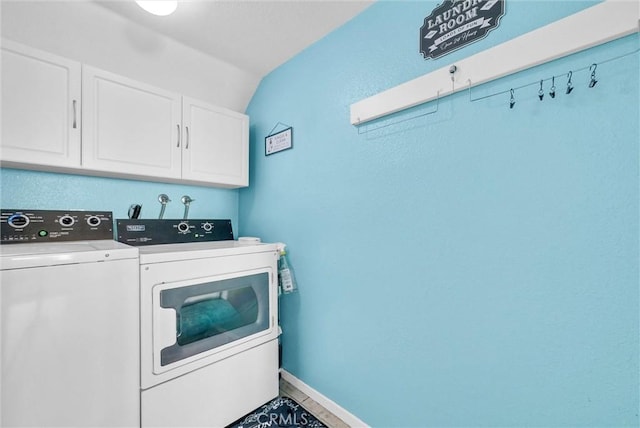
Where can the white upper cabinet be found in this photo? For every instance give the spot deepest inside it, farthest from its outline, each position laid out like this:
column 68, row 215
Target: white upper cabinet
column 129, row 127
column 41, row 108
column 216, row 144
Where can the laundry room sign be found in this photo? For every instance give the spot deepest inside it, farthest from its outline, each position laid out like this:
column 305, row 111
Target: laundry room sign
column 458, row 23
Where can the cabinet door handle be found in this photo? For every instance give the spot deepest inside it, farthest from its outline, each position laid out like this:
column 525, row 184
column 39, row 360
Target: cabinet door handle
column 75, row 124
column 187, row 142
column 178, row 145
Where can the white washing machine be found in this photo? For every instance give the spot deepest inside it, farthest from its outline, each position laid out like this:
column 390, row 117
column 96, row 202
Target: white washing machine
column 69, row 318
column 209, row 350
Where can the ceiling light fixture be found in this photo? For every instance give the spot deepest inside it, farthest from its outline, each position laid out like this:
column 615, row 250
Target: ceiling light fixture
column 160, row 8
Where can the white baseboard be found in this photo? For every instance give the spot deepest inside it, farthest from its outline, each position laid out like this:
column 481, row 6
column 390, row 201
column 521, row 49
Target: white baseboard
column 348, row 418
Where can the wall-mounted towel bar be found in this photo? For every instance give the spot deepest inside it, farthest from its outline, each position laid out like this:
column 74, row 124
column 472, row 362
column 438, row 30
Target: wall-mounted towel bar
column 572, row 34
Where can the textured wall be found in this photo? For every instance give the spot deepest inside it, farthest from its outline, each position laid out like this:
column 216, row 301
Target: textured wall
column 473, row 267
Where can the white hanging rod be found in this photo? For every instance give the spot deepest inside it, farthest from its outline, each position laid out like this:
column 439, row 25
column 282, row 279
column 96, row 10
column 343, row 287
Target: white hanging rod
column 591, row 27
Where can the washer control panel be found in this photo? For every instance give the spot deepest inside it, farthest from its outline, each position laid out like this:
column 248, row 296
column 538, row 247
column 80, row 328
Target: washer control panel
column 20, row 225
column 151, row 232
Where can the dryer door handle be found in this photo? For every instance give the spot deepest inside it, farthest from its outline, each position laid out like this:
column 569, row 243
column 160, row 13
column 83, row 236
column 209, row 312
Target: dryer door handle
column 165, row 331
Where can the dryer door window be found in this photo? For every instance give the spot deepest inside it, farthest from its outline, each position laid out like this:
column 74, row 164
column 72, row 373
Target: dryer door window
column 213, row 314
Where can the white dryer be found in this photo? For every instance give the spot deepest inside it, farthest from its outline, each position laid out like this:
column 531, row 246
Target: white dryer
column 69, row 317
column 209, row 326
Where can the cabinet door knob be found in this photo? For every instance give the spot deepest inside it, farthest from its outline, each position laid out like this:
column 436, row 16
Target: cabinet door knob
column 178, row 145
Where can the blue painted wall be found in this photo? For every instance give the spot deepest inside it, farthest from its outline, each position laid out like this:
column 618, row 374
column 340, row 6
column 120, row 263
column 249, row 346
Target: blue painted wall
column 473, row 267
column 42, row 190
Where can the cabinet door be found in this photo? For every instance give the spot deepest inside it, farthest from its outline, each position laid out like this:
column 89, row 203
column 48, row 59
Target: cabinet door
column 40, row 107
column 129, row 127
column 216, row 148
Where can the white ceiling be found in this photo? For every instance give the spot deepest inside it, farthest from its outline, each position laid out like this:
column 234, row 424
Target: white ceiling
column 256, row 36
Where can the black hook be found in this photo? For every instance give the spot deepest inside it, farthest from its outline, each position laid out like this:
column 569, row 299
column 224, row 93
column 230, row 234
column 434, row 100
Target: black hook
column 512, row 101
column 552, row 91
column 569, row 85
column 593, row 81
column 541, row 92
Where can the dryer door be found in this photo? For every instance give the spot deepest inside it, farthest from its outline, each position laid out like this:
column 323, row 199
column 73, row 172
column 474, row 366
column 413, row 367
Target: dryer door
column 195, row 319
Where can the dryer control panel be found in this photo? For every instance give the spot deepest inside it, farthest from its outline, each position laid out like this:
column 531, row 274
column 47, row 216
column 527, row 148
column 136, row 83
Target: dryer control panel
column 152, row 232
column 20, row 225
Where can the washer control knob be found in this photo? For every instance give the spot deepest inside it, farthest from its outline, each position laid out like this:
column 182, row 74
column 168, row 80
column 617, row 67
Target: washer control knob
column 18, row 221
column 208, row 227
column 183, row 227
column 93, row 221
column 66, row 220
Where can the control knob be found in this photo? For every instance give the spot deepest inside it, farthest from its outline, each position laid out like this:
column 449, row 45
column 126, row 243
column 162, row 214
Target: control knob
column 183, row 227
column 18, row 221
column 208, row 227
column 93, row 221
column 67, row 220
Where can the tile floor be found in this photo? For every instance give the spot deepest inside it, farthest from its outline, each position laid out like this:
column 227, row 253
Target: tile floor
column 326, row 417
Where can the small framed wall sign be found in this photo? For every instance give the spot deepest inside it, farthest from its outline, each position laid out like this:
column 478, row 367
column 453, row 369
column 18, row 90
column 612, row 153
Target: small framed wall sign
column 281, row 140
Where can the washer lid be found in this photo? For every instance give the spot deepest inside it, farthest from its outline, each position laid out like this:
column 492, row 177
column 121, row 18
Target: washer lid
column 20, row 256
